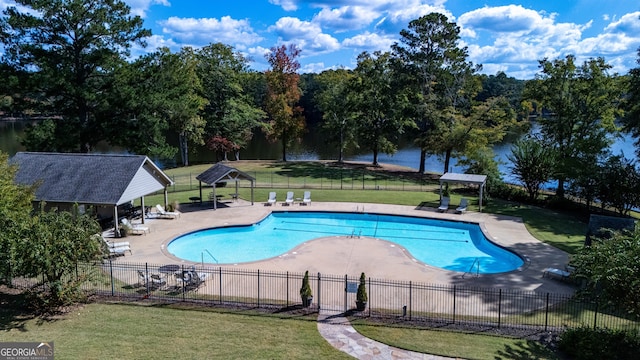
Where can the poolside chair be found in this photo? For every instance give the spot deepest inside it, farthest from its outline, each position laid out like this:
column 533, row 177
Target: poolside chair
column 135, row 228
column 289, row 199
column 272, row 198
column 554, row 273
column 166, row 214
column 306, row 200
column 116, row 248
column 151, row 281
column 463, row 206
column 444, row 204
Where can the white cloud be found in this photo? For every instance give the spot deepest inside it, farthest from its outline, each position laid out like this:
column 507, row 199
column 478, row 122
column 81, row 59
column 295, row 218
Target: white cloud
column 346, row 17
column 401, row 13
column 206, row 30
column 140, row 7
column 287, row 5
column 369, row 42
column 628, row 23
column 313, row 68
column 308, row 36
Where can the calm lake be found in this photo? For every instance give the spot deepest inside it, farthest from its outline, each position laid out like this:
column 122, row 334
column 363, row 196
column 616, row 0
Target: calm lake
column 311, row 148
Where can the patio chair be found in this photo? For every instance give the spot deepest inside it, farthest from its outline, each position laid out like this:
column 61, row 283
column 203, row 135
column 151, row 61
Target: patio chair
column 167, row 214
column 444, row 204
column 152, row 281
column 135, row 228
column 116, row 248
column 463, row 206
column 272, row 198
column 306, row 200
column 289, row 199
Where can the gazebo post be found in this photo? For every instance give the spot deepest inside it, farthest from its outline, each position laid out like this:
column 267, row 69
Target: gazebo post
column 215, row 199
column 116, row 229
column 200, row 187
column 142, row 208
column 251, row 192
column 480, row 201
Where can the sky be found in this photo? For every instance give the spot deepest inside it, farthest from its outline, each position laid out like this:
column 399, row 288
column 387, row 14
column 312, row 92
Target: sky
column 503, row 36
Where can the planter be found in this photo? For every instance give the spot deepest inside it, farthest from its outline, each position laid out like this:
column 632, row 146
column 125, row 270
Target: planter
column 306, row 302
column 361, row 305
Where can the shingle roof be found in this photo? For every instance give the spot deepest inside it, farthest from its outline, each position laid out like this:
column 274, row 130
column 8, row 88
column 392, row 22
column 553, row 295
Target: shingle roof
column 81, row 178
column 221, row 172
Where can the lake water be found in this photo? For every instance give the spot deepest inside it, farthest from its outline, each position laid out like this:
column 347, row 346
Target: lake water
column 311, row 148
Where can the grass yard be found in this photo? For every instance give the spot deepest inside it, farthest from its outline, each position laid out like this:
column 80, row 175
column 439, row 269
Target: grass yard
column 122, row 331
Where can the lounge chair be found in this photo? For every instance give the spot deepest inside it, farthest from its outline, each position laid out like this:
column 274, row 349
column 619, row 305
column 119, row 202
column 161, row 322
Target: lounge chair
column 306, row 200
column 190, row 279
column 167, row 214
column 556, row 273
column 272, row 198
column 152, row 281
column 463, row 206
column 444, row 204
column 116, row 248
column 135, row 228
column 289, row 199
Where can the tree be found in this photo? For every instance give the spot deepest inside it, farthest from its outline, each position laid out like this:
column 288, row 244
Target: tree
column 15, row 209
column 230, row 113
column 579, row 106
column 532, row 164
column 333, row 98
column 619, row 181
column 286, row 122
column 51, row 246
column 378, row 103
column 70, row 48
column 611, row 270
column 632, row 118
column 426, row 49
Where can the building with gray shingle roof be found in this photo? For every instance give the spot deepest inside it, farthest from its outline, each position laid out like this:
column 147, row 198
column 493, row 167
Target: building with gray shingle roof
column 103, row 181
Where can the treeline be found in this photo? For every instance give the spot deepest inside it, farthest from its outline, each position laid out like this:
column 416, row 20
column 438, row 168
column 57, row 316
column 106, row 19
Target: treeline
column 73, row 61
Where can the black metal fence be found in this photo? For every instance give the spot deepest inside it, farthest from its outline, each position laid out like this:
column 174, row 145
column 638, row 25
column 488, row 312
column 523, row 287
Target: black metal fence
column 397, row 300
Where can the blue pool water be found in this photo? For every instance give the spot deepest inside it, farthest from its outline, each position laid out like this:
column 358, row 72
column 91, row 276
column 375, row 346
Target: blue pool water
column 449, row 245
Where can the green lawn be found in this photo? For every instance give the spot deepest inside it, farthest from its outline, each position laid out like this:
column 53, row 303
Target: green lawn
column 121, row 331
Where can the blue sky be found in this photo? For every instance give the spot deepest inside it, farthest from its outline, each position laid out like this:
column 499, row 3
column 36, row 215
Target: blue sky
column 501, row 35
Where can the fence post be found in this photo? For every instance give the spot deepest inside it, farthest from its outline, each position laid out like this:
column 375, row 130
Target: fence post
column 454, row 303
column 499, row 307
column 370, row 297
column 111, row 273
column 346, row 286
column 146, row 276
column 319, row 287
column 410, row 299
column 287, row 288
column 220, row 285
column 183, row 284
column 258, row 288
column 546, row 314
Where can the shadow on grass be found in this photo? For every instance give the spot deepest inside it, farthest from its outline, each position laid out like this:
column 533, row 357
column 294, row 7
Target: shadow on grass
column 526, row 350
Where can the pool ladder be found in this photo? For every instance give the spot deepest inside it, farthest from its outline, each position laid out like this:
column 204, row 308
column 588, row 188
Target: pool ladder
column 353, row 233
column 476, row 261
column 208, row 252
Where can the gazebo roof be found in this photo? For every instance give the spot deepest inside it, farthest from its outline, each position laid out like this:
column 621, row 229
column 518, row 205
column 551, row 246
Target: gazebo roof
column 221, row 173
column 464, row 178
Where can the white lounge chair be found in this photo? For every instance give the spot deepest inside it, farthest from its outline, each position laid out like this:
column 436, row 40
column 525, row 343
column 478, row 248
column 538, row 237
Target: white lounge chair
column 135, row 228
column 306, row 200
column 444, row 204
column 152, row 281
column 116, row 248
column 272, row 198
column 463, row 206
column 167, row 214
column 289, row 199
column 556, row 273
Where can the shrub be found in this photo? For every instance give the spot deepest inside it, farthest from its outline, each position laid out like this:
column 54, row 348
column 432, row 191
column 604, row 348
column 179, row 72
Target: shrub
column 587, row 343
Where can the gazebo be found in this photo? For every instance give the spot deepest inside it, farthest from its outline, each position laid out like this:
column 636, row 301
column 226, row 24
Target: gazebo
column 480, row 180
column 222, row 173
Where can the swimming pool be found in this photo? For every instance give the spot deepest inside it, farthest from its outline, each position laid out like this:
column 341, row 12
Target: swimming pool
column 451, row 245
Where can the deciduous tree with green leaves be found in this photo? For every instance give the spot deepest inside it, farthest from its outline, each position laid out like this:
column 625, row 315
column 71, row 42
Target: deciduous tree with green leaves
column 334, row 100
column 532, row 164
column 70, row 48
column 379, row 104
column 578, row 106
column 286, row 122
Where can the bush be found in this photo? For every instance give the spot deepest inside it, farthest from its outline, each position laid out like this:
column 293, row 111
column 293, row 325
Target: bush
column 585, row 344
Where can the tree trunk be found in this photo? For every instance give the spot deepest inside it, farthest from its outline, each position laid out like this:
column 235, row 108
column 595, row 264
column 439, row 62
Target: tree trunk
column 284, row 150
column 375, row 157
column 184, row 149
column 423, row 159
column 560, row 189
column 447, row 159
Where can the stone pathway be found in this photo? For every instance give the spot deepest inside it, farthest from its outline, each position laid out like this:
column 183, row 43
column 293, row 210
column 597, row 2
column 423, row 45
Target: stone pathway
column 337, row 330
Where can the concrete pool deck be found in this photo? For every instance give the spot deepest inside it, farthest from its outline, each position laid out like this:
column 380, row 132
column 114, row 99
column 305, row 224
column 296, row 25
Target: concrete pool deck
column 340, row 255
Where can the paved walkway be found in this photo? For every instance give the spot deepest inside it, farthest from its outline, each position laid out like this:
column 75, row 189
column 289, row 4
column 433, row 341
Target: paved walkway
column 337, row 330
